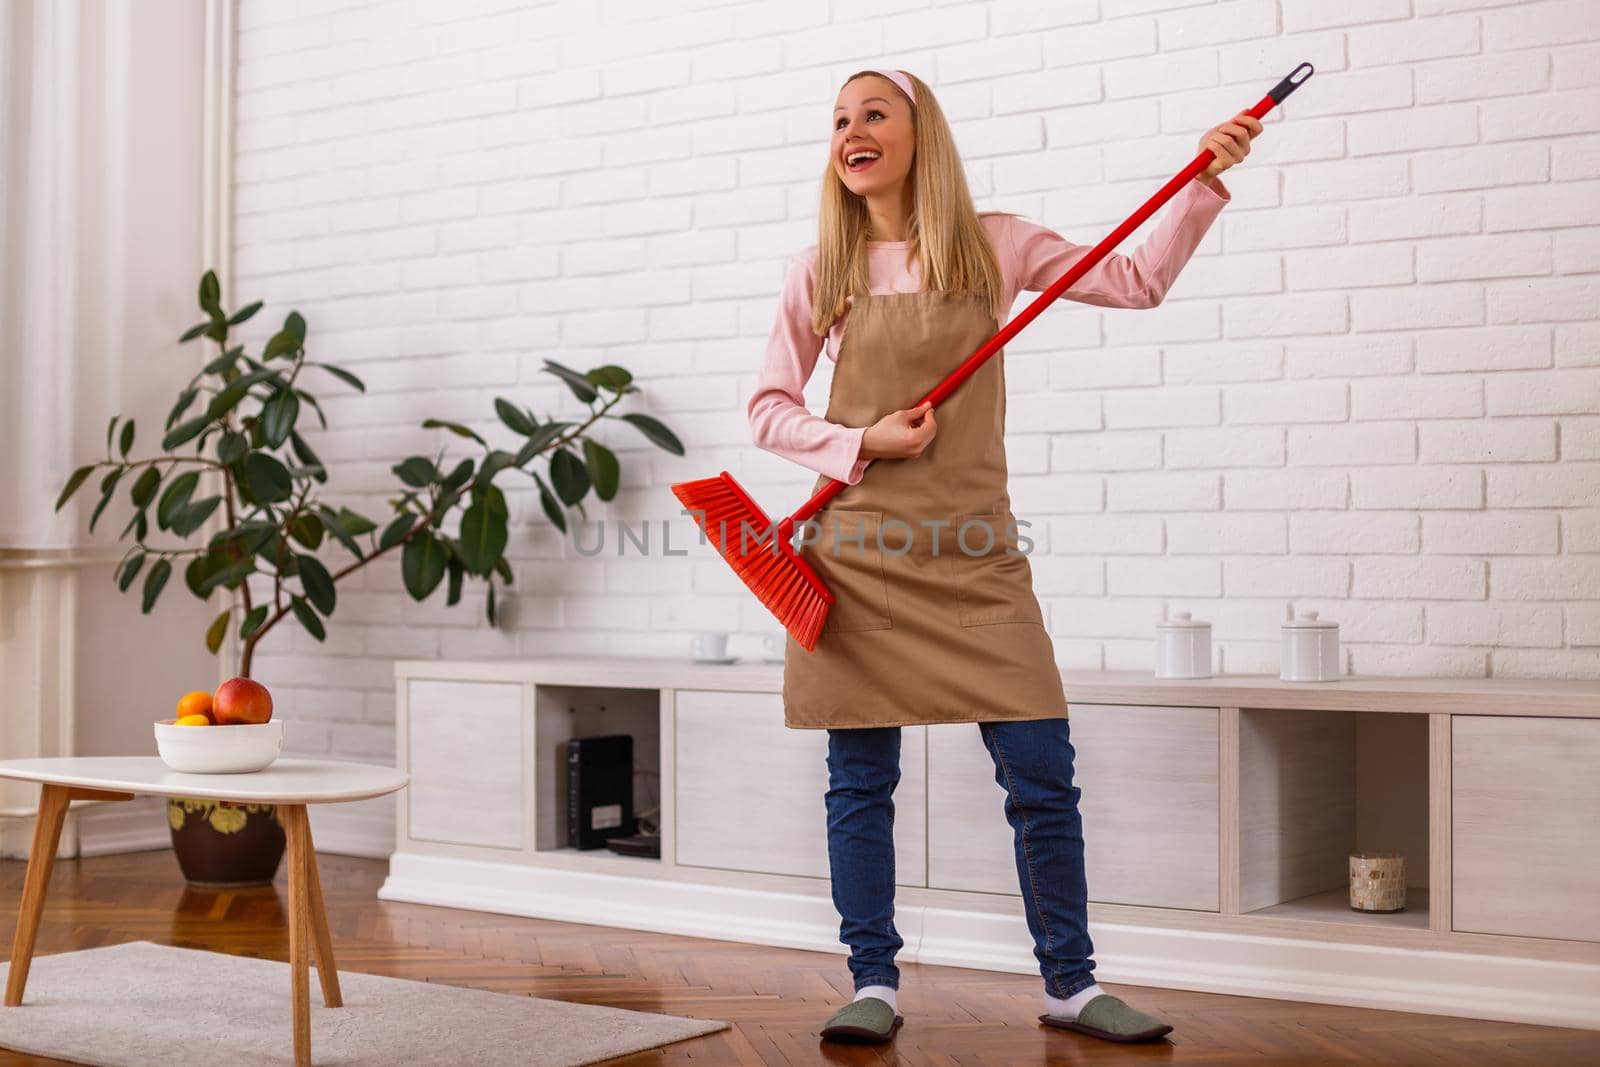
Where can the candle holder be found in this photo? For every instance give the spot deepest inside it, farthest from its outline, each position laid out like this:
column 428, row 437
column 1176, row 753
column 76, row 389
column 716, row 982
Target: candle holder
column 1377, row 881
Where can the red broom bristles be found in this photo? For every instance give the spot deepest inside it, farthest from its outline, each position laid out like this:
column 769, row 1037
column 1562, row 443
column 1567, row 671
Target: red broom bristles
column 759, row 553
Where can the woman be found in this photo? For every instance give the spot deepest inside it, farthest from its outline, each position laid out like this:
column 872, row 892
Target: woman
column 935, row 619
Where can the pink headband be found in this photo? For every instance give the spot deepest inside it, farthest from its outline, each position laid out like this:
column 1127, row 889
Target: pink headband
column 900, row 79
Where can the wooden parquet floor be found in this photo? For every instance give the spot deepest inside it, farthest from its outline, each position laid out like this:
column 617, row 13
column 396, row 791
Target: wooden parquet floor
column 776, row 999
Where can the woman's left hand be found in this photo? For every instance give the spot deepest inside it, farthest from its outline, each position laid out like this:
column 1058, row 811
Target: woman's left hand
column 1229, row 141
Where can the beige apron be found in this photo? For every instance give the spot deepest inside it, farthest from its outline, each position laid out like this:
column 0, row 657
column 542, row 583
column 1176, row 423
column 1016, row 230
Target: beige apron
column 922, row 631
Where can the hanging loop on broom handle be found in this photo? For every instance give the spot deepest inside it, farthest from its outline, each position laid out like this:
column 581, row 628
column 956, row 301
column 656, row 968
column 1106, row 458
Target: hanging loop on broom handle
column 1078, row 269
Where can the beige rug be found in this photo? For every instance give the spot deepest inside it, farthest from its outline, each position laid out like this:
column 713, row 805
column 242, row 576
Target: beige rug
column 140, row 1004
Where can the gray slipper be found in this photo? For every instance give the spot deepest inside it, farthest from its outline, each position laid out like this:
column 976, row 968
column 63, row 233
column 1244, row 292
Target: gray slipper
column 1110, row 1019
column 868, row 1021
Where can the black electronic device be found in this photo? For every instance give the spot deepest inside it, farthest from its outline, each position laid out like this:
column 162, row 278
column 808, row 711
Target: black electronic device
column 599, row 789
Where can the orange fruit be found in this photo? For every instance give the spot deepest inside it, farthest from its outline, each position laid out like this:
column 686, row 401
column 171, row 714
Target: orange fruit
column 194, row 703
column 192, row 720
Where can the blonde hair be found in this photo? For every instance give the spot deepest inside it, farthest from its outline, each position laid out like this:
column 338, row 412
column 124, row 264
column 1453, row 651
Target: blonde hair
column 944, row 229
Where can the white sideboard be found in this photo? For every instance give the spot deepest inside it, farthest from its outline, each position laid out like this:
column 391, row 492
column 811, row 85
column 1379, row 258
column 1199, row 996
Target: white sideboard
column 1218, row 816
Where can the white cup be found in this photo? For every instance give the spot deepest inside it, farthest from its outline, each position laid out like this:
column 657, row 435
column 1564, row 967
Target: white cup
column 705, row 646
column 775, row 646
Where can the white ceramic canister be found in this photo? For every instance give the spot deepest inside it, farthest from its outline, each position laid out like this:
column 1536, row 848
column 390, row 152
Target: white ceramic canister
column 1310, row 649
column 1183, row 647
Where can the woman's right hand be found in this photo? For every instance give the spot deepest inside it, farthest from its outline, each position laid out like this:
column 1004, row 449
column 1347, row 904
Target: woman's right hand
column 900, row 434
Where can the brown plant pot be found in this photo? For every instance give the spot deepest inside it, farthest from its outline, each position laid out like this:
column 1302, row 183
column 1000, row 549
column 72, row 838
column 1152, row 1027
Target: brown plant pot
column 224, row 843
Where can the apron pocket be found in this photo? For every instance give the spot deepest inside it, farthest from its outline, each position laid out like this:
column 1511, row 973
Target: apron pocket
column 992, row 584
column 847, row 556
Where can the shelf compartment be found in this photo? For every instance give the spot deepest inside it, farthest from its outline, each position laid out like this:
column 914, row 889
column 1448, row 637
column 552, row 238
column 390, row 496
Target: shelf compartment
column 561, row 712
column 1315, row 786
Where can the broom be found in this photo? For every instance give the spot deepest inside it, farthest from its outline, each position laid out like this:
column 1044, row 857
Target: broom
column 760, row 551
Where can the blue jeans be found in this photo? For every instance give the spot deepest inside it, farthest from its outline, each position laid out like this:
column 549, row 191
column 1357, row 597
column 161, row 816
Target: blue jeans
column 1033, row 764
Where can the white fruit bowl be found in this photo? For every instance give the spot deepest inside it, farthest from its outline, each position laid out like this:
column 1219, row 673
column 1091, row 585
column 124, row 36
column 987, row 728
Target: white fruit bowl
column 235, row 748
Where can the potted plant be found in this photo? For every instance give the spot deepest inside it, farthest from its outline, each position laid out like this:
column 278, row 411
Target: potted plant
column 238, row 418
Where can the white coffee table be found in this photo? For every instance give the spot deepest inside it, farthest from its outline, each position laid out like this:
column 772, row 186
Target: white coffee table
column 290, row 784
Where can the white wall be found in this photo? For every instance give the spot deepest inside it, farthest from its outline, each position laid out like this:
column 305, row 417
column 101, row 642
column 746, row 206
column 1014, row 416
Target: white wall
column 1373, row 392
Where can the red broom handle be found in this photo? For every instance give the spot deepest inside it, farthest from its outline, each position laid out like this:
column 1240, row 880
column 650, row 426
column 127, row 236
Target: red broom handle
column 1078, row 269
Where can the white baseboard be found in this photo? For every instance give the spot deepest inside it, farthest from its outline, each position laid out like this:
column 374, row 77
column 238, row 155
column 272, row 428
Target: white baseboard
column 1369, row 976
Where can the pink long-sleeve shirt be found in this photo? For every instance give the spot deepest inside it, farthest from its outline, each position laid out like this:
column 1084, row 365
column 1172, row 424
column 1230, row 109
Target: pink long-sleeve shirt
column 1031, row 257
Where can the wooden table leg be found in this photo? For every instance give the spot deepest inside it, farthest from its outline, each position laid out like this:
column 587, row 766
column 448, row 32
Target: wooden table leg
column 295, row 828
column 321, row 940
column 46, row 838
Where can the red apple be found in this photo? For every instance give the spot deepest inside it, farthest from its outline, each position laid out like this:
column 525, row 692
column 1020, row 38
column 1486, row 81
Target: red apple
column 240, row 700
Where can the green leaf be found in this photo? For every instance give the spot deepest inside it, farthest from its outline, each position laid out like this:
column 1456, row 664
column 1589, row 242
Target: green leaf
column 493, row 463
column 224, row 363
column 656, row 432
column 230, row 446
column 455, row 428
column 569, row 476
column 539, row 439
column 495, row 500
column 397, row 529
column 318, row 583
column 307, row 529
column 210, row 294
column 278, row 417
column 330, row 522
column 229, row 577
column 489, row 607
column 145, row 487
column 154, row 581
column 483, row 538
column 295, row 325
column 244, row 313
column 306, row 456
column 580, row 386
column 503, row 569
column 175, row 498
column 551, row 507
column 417, row 470
column 355, row 524
column 234, row 392
column 603, row 468
column 457, row 572
column 194, row 331
column 217, row 631
column 201, row 568
column 422, row 564
column 127, row 438
column 194, row 516
column 130, row 570
column 610, row 377
column 513, row 416
column 459, row 476
column 276, row 552
column 343, row 375
column 307, row 617
column 184, row 431
column 185, row 398
column 309, row 399
column 77, row 479
column 269, row 480
column 110, row 427
column 282, row 343
column 252, row 621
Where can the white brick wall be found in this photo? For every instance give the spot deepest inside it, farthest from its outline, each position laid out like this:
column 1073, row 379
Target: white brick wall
column 1372, row 392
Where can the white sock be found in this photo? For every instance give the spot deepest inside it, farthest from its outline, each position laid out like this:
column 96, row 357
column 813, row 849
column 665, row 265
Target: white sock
column 882, row 992
column 1068, row 1009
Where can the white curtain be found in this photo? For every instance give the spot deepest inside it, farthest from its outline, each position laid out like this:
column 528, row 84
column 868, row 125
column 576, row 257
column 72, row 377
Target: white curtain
column 101, row 134
column 102, row 164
